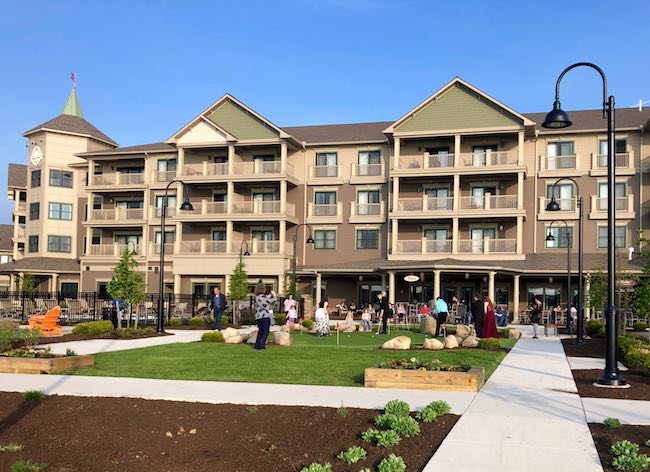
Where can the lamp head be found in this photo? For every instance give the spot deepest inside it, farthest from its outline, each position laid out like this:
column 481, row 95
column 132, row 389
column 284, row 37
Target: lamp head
column 246, row 253
column 553, row 205
column 310, row 240
column 556, row 118
column 550, row 237
column 187, row 205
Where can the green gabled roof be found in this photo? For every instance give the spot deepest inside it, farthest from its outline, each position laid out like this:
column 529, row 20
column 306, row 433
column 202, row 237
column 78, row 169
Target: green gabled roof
column 72, row 106
column 240, row 123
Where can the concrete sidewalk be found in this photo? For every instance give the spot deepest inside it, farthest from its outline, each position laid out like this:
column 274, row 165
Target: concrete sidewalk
column 528, row 416
column 628, row 411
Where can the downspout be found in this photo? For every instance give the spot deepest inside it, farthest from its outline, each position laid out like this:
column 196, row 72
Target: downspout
column 304, row 201
column 146, row 231
column 640, row 167
column 536, row 199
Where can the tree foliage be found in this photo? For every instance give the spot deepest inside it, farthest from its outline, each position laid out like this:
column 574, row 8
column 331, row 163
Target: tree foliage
column 238, row 288
column 127, row 284
column 642, row 289
column 597, row 294
column 27, row 284
column 292, row 288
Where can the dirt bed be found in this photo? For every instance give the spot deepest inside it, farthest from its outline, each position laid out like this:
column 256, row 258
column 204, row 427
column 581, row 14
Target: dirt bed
column 604, row 438
column 594, row 347
column 114, row 434
column 639, row 390
column 85, row 337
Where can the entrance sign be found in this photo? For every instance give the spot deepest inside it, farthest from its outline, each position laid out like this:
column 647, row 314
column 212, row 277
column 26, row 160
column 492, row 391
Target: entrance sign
column 411, row 278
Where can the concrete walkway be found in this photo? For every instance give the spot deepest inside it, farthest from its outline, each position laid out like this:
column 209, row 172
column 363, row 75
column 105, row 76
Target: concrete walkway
column 576, row 363
column 528, row 416
column 628, row 411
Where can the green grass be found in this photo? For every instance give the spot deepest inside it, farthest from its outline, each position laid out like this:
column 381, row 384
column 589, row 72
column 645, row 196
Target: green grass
column 310, row 360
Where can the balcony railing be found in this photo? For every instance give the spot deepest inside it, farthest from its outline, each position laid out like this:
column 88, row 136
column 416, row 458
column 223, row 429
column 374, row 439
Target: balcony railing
column 366, row 209
column 622, row 160
column 21, row 206
column 425, row 204
column 257, row 246
column 171, row 212
column 489, row 159
column 169, row 248
column 561, row 162
column 328, row 210
column 130, row 179
column 203, row 247
column 566, row 204
column 622, row 204
column 257, row 167
column 325, row 172
column 163, row 175
column 20, row 232
column 257, row 207
column 424, row 246
column 112, row 250
column 487, row 246
column 426, row 161
column 367, row 170
column 103, row 179
column 117, row 214
column 489, row 202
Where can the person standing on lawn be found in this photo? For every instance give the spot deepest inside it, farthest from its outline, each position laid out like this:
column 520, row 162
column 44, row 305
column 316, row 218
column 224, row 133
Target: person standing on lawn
column 478, row 314
column 536, row 315
column 264, row 306
column 322, row 319
column 218, row 305
column 383, row 312
column 440, row 310
column 490, row 322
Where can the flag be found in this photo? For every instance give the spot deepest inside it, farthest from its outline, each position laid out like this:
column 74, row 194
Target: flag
column 73, row 77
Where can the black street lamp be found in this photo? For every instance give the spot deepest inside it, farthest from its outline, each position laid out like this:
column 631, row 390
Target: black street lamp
column 569, row 239
column 309, row 240
column 557, row 119
column 185, row 206
column 242, row 252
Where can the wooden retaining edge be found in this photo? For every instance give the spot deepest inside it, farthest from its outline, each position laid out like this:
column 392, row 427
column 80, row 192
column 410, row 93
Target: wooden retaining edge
column 470, row 381
column 22, row 365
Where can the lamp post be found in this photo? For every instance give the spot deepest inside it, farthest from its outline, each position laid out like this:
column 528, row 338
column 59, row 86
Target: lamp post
column 186, row 206
column 242, row 252
column 569, row 238
column 557, row 119
column 553, row 205
column 309, row 240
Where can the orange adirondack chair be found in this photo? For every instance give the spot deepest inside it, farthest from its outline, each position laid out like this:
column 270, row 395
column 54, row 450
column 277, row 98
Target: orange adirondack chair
column 48, row 323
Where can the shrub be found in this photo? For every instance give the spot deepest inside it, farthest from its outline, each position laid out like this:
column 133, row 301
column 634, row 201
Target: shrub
column 592, row 327
column 405, row 426
column 352, row 455
column 175, row 321
column 131, row 332
column 316, row 467
column 196, row 321
column 224, row 320
column 392, row 463
column 397, row 407
column 640, row 326
column 34, row 395
column 612, row 423
column 489, row 344
column 623, row 448
column 212, row 337
column 632, row 462
column 70, row 352
column 433, row 410
column 387, row 438
column 647, row 443
column 27, row 466
column 635, row 358
column 384, row 421
column 280, row 318
column 252, row 409
column 309, row 324
column 342, row 411
column 7, row 335
column 370, row 435
column 94, row 328
column 602, row 332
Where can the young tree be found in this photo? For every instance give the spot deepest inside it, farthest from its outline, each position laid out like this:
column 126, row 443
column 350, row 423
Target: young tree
column 642, row 289
column 27, row 284
column 238, row 289
column 597, row 293
column 127, row 284
column 292, row 288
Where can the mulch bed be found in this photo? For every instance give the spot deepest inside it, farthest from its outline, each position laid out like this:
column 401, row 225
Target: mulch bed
column 594, row 347
column 118, row 434
column 208, row 326
column 639, row 390
column 604, row 438
column 84, row 337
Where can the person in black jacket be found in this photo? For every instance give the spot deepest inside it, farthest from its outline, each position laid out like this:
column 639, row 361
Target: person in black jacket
column 478, row 314
column 383, row 312
column 218, row 304
column 535, row 315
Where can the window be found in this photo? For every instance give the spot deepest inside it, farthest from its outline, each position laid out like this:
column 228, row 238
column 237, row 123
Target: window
column 563, row 237
column 171, row 202
column 560, row 148
column 560, row 155
column 96, row 237
column 482, row 155
column 59, row 244
column 21, row 220
column 170, row 236
column 621, row 147
column 219, row 197
column 167, row 165
column 69, row 289
column 128, row 238
column 36, row 178
column 34, row 211
column 131, row 204
column 619, row 239
column 368, row 202
column 61, row 178
column 130, row 170
column 33, row 244
column 22, row 197
column 326, row 164
column 478, row 237
column 620, row 190
column 218, row 235
column 367, row 239
column 60, row 211
column 325, row 198
column 6, row 258
column 563, row 194
column 369, row 157
column 102, row 290
column 97, row 203
column 325, row 239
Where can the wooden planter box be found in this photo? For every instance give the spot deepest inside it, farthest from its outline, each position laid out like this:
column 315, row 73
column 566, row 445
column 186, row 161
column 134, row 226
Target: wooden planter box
column 470, row 381
column 22, row 365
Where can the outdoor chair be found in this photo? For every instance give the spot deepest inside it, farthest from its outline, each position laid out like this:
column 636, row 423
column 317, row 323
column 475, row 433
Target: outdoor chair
column 181, row 309
column 40, row 305
column 48, row 323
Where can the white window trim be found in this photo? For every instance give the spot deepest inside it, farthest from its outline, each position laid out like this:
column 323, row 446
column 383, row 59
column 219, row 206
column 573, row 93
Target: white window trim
column 336, row 237
column 365, row 228
column 599, row 226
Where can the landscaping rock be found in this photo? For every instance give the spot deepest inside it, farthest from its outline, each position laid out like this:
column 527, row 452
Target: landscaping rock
column 400, row 342
column 238, row 339
column 274, row 328
column 433, row 344
column 470, row 341
column 514, row 333
column 428, row 325
column 252, row 338
column 285, row 327
column 298, row 327
column 229, row 332
column 473, row 332
column 351, row 329
column 463, row 331
column 244, row 335
column 282, row 338
column 451, row 342
column 459, row 340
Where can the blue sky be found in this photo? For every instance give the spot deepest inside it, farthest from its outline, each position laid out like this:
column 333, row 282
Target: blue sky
column 145, row 68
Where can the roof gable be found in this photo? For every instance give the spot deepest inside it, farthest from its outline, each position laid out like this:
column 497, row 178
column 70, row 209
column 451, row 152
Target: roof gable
column 458, row 106
column 70, row 124
column 202, row 132
column 241, row 124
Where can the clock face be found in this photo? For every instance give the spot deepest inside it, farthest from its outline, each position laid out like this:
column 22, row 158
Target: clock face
column 36, row 156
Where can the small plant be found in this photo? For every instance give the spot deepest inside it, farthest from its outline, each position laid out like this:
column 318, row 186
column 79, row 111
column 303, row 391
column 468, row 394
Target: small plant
column 433, row 410
column 352, row 455
column 387, row 438
column 11, row 447
column 279, row 318
column 647, row 443
column 27, row 466
column 175, row 321
column 489, row 344
column 365, row 469
column 196, row 321
column 34, row 395
column 309, row 324
column 383, row 421
column 316, row 467
column 342, row 411
column 632, row 462
column 370, row 435
column 224, row 320
column 405, row 426
column 397, row 407
column 94, row 328
column 392, row 463
column 640, row 326
column 212, row 337
column 252, row 409
column 612, row 423
column 623, row 448
column 70, row 352
column 592, row 327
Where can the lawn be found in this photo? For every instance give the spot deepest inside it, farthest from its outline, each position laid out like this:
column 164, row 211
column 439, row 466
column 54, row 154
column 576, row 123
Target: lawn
column 310, row 360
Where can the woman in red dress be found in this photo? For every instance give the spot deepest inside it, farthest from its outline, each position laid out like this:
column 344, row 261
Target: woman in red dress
column 490, row 323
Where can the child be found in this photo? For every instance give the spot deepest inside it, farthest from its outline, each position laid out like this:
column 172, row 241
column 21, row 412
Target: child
column 349, row 321
column 365, row 319
column 292, row 315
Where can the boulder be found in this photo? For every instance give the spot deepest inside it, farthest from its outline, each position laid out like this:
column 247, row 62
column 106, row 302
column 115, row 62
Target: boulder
column 228, row 332
column 514, row 333
column 282, row 338
column 470, row 341
column 451, row 342
column 428, row 325
column 244, row 336
column 298, row 327
column 252, row 337
column 238, row 339
column 432, row 343
column 285, row 327
column 463, row 331
column 274, row 328
column 473, row 332
column 400, row 342
column 459, row 340
column 351, row 329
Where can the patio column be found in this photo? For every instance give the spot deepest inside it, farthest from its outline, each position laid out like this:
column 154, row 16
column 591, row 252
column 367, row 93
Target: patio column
column 520, row 191
column 230, row 196
column 456, row 196
column 520, row 234
column 515, row 301
column 12, row 283
column 283, row 235
column 394, row 232
column 180, row 162
column 491, row 275
column 454, row 236
column 457, row 143
column 229, row 242
column 587, row 308
column 436, row 284
column 391, row 286
column 179, row 237
column 396, row 153
column 395, row 193
column 226, row 283
column 283, row 157
column 177, row 286
column 231, row 159
column 520, row 148
column 283, row 196
column 318, row 288
column 53, row 283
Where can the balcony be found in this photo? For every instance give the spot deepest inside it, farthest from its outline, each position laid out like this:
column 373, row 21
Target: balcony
column 423, row 246
column 465, row 163
column 559, row 166
column 21, row 207
column 425, row 160
column 568, row 209
column 367, row 212
column 330, row 213
column 490, row 205
column 116, row 216
column 624, row 208
column 240, row 171
column 163, row 176
column 118, row 180
column 114, row 250
column 487, row 246
column 155, row 249
column 325, row 174
column 19, row 232
column 367, row 174
column 203, row 246
column 156, row 211
column 467, row 249
column 267, row 210
column 624, row 164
